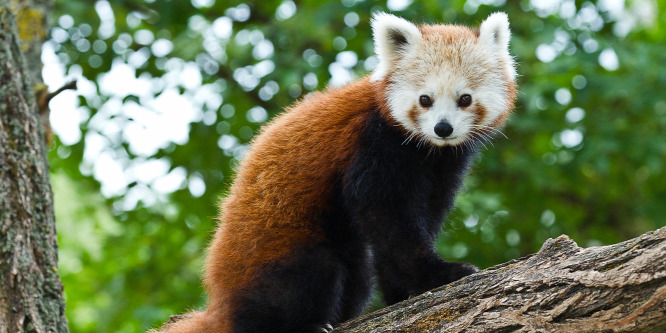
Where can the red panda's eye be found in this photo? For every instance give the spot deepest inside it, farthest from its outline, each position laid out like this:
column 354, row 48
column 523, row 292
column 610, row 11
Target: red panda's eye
column 464, row 100
column 425, row 101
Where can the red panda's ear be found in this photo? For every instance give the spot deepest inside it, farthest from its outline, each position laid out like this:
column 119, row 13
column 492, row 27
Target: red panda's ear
column 494, row 31
column 393, row 37
column 495, row 35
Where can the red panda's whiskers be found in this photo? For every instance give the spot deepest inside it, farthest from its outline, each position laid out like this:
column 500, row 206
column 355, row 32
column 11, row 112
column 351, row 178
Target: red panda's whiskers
column 430, row 151
column 408, row 139
column 484, row 137
column 422, row 141
column 486, row 128
column 480, row 141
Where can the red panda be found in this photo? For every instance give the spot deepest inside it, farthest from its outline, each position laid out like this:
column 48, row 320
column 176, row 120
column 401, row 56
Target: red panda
column 351, row 185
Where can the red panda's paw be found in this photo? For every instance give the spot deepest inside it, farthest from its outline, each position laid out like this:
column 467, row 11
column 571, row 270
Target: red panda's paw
column 325, row 328
column 458, row 270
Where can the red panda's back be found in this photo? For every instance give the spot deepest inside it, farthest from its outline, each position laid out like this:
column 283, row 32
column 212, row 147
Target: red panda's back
column 284, row 181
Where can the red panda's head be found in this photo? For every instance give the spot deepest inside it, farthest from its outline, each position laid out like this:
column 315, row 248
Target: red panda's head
column 444, row 83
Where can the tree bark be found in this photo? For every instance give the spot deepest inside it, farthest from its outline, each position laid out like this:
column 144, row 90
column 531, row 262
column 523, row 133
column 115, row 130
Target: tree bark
column 562, row 288
column 30, row 288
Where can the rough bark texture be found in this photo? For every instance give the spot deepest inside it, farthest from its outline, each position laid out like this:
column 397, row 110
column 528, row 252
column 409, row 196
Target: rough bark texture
column 30, row 288
column 562, row 288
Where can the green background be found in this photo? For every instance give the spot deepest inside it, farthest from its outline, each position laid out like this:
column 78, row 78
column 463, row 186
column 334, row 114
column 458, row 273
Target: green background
column 583, row 154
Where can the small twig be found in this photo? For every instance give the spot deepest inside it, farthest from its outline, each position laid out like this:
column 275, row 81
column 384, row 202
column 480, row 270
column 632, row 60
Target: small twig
column 68, row 86
column 43, row 99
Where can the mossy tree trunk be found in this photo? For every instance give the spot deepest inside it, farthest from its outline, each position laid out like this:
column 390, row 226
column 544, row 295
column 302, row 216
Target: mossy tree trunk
column 30, row 288
column 562, row 288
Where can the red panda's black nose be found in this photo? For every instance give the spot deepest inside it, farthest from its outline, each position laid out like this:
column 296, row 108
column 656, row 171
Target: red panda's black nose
column 443, row 129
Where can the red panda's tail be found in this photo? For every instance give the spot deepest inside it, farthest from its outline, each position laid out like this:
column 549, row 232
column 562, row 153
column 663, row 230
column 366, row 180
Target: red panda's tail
column 193, row 322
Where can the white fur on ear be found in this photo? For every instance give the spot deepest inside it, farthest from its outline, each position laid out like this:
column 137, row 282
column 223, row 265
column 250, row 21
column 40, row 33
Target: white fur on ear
column 495, row 31
column 393, row 37
column 495, row 35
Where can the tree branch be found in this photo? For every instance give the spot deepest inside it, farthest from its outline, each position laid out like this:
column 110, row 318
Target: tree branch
column 43, row 99
column 562, row 288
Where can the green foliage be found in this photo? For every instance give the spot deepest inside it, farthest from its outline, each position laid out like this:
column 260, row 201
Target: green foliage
column 583, row 154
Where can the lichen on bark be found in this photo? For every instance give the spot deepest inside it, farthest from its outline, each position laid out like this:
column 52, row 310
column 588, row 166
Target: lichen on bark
column 30, row 288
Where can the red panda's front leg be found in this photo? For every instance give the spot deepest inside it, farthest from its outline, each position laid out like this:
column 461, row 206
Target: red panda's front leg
column 405, row 260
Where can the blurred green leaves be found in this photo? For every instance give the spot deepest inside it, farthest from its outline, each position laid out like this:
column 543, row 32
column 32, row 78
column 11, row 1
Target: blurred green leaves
column 171, row 93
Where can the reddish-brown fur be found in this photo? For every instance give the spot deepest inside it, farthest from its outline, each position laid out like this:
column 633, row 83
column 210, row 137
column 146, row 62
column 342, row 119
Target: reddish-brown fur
column 323, row 129
column 512, row 93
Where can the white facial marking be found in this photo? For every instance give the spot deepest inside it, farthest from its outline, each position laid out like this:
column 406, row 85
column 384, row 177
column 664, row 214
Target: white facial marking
column 460, row 121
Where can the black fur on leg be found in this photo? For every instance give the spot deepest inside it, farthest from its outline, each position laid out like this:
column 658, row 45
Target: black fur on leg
column 297, row 295
column 353, row 249
column 316, row 287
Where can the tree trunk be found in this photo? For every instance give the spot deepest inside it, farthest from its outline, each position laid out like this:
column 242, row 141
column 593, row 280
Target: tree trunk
column 30, row 288
column 562, row 288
